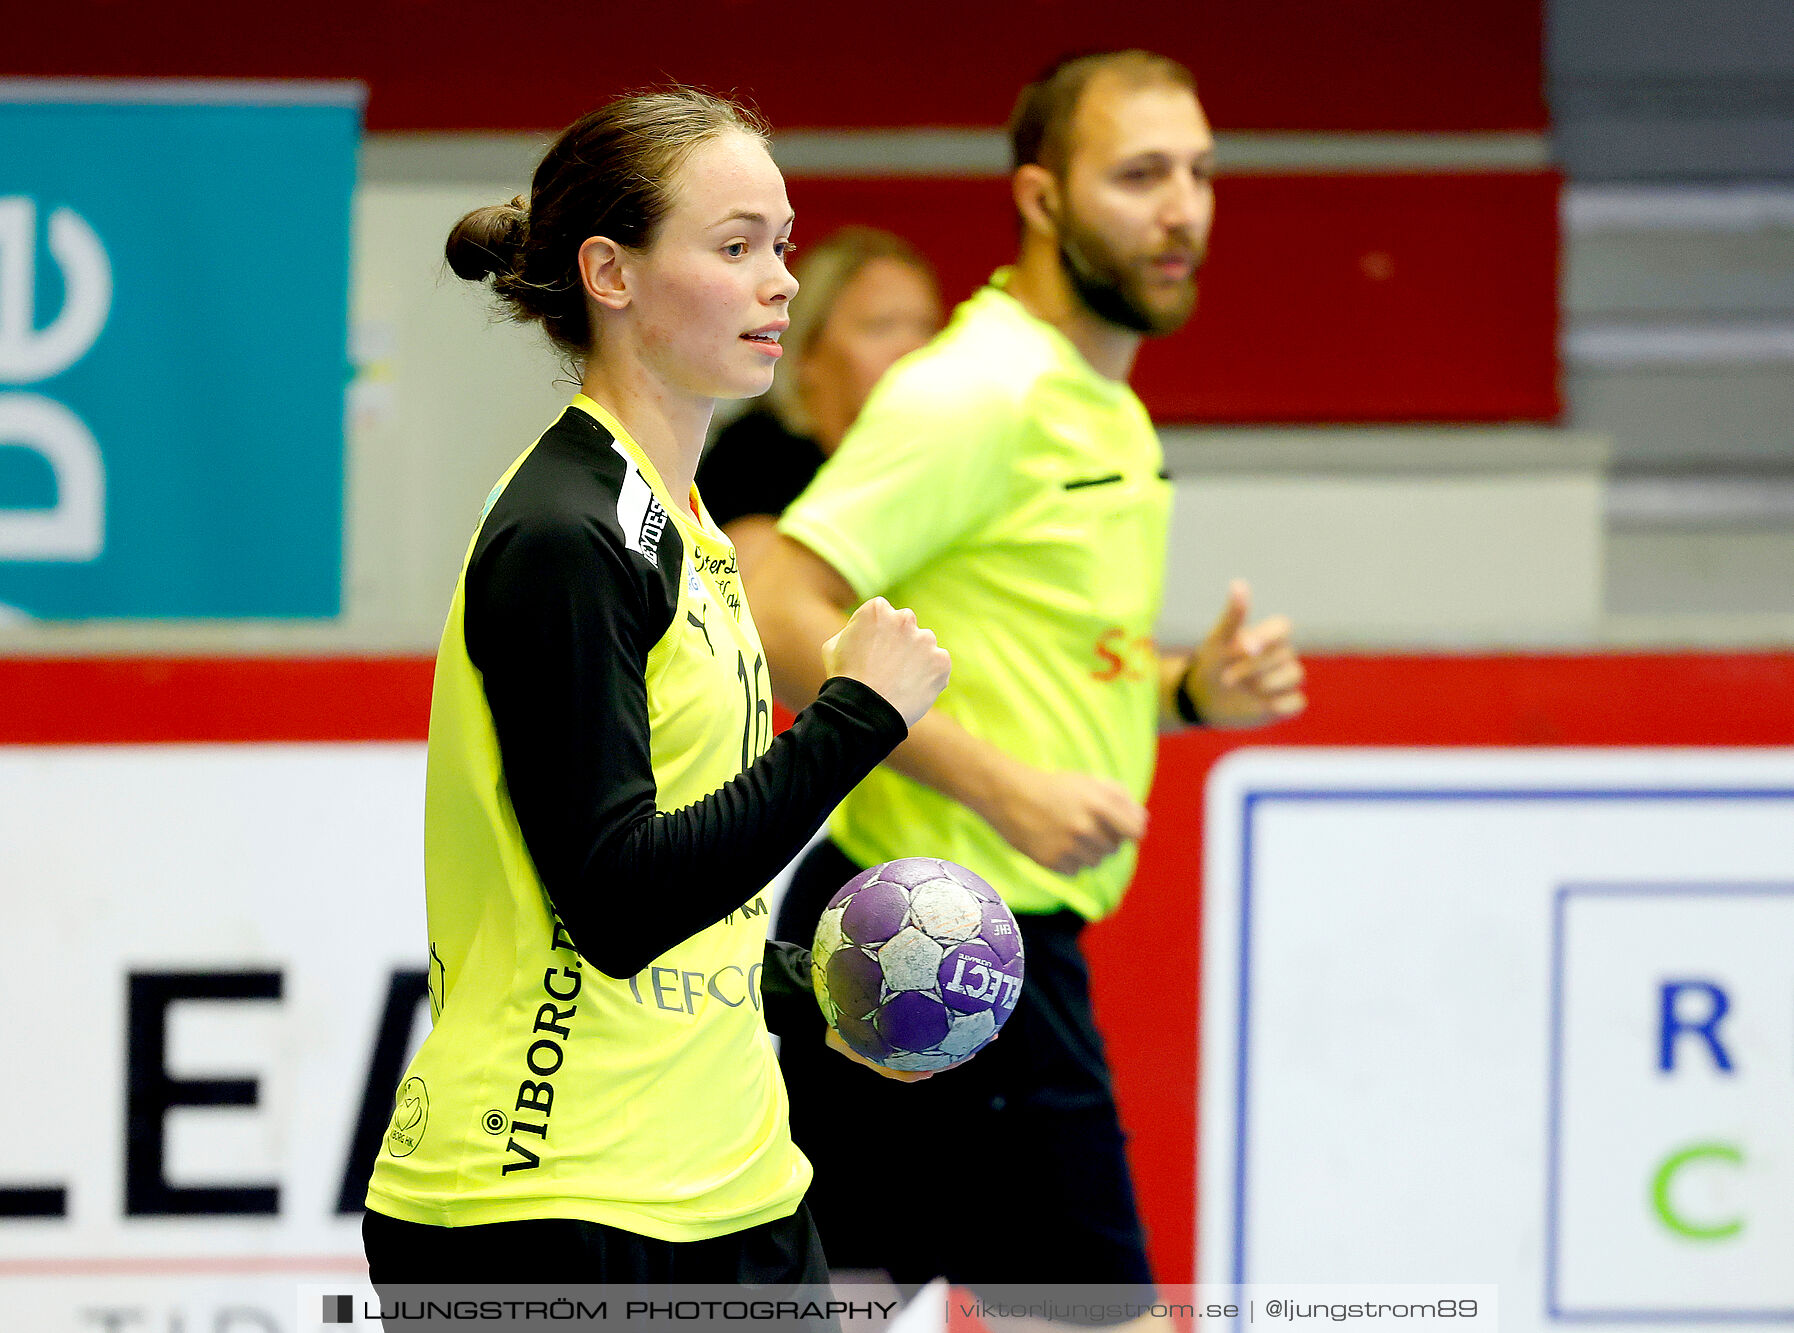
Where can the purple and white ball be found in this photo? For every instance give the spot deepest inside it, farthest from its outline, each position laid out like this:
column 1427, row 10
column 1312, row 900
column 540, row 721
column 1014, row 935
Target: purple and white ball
column 917, row 963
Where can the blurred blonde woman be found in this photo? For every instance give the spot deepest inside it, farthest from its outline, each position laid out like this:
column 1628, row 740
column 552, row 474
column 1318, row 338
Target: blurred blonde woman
column 869, row 299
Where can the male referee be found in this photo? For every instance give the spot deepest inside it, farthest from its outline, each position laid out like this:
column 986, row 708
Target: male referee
column 1007, row 483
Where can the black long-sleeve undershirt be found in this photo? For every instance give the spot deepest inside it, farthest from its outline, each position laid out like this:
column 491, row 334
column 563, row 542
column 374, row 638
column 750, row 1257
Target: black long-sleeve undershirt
column 787, row 998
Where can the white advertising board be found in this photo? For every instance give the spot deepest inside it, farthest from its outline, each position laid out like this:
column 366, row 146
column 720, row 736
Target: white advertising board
column 1520, row 1017
column 210, row 975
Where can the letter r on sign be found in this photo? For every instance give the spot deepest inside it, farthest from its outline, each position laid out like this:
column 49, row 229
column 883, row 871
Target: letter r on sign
column 1674, row 1022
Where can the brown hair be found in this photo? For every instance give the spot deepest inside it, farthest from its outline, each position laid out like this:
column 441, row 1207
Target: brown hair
column 1040, row 125
column 823, row 272
column 610, row 173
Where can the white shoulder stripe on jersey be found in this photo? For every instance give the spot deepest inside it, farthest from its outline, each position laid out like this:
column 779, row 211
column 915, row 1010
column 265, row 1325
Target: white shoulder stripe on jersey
column 641, row 516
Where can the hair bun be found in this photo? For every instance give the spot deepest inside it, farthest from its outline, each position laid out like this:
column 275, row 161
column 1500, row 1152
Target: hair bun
column 488, row 240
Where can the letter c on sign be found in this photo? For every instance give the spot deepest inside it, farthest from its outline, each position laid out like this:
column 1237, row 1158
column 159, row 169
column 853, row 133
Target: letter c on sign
column 1662, row 1182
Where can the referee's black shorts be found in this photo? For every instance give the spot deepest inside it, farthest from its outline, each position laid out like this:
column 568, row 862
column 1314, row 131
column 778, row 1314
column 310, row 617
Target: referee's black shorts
column 1011, row 1169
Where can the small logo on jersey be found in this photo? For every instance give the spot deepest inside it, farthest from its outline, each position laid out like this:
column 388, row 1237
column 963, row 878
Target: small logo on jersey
column 639, row 513
column 697, row 622
column 1124, row 656
column 339, row 1309
column 647, row 541
column 723, row 574
column 410, row 1117
column 496, row 1122
column 693, row 583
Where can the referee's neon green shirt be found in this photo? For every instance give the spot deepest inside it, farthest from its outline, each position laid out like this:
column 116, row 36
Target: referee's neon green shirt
column 1016, row 499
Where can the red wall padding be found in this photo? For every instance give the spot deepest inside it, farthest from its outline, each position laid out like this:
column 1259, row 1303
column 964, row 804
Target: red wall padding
column 532, row 64
column 1144, row 958
column 1351, row 298
column 133, row 700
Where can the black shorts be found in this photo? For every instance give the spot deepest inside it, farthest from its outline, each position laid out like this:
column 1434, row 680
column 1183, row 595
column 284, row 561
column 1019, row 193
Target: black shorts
column 1012, row 1169
column 564, row 1252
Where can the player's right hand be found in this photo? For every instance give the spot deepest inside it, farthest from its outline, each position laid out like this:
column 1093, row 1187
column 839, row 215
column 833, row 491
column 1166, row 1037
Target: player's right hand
column 1066, row 821
column 837, row 1043
column 885, row 649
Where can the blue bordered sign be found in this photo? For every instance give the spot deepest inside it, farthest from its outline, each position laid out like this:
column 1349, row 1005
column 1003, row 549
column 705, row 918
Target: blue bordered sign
column 1503, row 1015
column 174, row 270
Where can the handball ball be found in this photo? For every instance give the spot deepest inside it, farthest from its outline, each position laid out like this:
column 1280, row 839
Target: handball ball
column 917, row 963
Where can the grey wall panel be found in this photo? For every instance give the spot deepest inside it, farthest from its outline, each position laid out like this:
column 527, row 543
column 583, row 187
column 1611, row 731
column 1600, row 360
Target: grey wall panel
column 1603, row 146
column 1659, row 272
column 1719, row 37
column 1690, row 571
column 1702, row 419
column 1661, row 89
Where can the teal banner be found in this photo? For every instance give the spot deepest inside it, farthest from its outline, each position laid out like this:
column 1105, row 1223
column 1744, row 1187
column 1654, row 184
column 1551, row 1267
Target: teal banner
column 174, row 275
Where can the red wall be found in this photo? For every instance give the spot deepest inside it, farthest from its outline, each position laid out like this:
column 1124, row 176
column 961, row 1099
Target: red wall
column 1738, row 699
column 142, row 700
column 1352, row 298
column 535, row 64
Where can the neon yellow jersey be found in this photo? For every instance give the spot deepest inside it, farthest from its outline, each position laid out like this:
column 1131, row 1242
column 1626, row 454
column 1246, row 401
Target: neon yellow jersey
column 649, row 1101
column 1016, row 499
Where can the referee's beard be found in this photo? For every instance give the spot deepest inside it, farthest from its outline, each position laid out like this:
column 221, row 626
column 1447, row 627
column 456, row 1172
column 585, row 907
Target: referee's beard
column 1111, row 290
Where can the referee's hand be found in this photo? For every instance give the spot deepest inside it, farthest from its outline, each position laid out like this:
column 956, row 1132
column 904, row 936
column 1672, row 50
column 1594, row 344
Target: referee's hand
column 885, row 649
column 1065, row 821
column 1246, row 675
